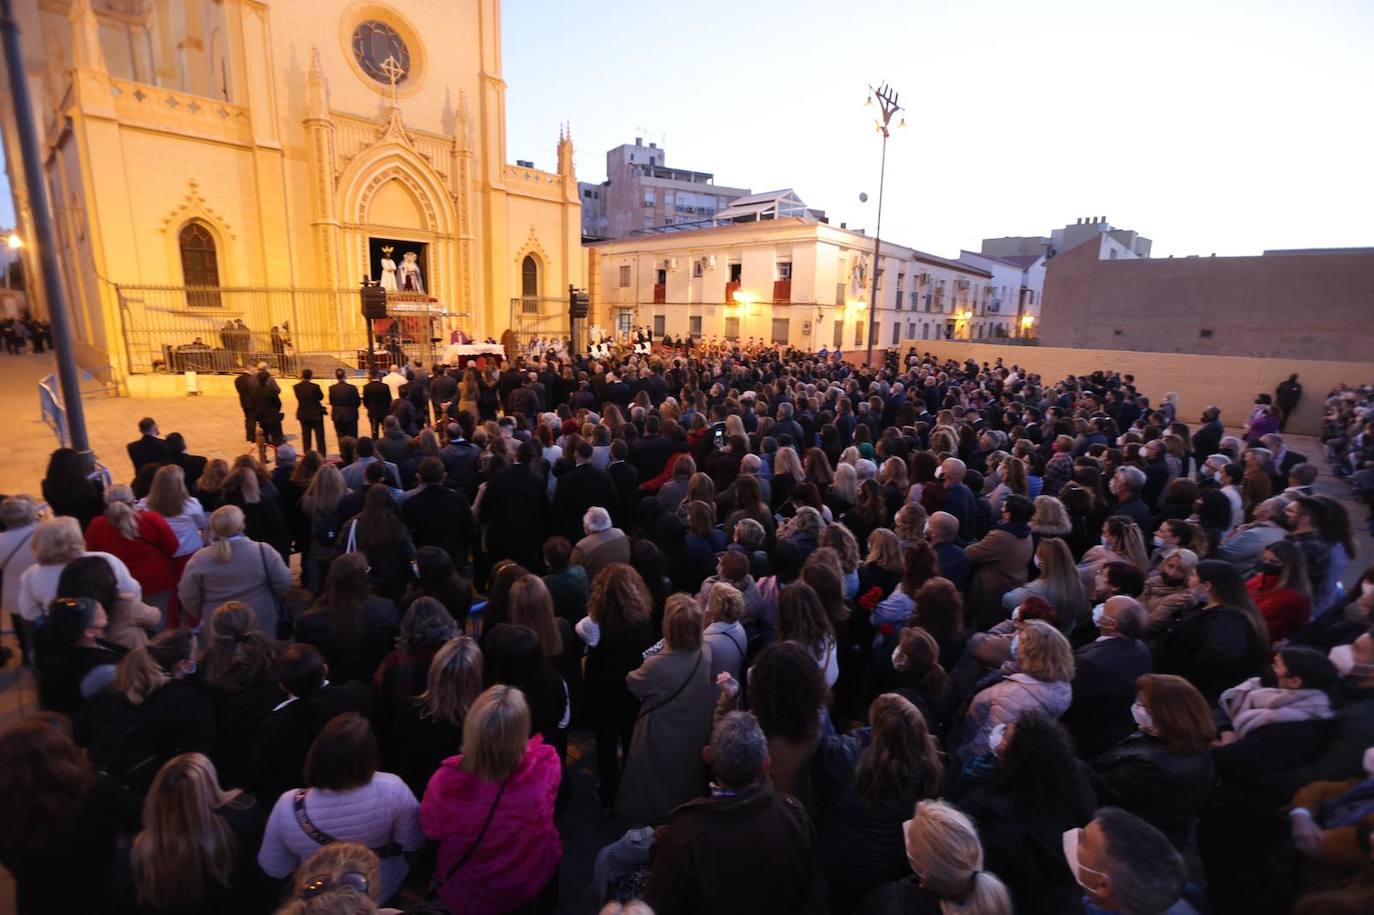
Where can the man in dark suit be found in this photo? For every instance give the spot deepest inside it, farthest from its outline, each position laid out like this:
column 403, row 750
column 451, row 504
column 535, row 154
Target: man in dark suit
column 1284, row 459
column 443, row 390
column 523, row 400
column 149, row 448
column 1104, row 677
column 625, row 511
column 310, row 412
column 267, row 404
column 1207, row 439
column 460, row 459
column 285, row 735
column 578, row 490
column 243, row 386
column 516, row 510
column 344, row 401
column 651, row 451
column 192, row 465
column 377, row 400
column 438, row 516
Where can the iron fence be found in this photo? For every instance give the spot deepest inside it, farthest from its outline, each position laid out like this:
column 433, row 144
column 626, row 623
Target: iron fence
column 223, row 329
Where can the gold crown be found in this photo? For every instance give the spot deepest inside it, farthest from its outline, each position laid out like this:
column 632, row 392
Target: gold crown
column 387, row 249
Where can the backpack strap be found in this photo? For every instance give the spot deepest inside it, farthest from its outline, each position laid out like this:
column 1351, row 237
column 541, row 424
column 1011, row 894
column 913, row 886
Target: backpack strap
column 318, row 836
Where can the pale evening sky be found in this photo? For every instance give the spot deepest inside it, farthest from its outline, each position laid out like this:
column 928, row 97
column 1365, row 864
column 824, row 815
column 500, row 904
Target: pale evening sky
column 1212, row 126
column 1206, row 125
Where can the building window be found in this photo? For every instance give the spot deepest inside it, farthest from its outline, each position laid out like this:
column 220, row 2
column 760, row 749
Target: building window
column 736, row 272
column 858, row 333
column 694, row 325
column 373, row 43
column 529, row 280
column 625, row 277
column 732, row 328
column 1201, row 333
column 781, row 327
column 839, row 332
column 697, row 269
column 660, row 322
column 199, row 266
column 784, row 270
column 648, row 198
column 839, row 294
column 911, row 331
column 896, row 334
column 622, row 320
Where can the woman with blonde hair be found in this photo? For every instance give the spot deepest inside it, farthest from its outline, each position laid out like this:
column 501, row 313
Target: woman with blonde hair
column 1014, row 483
column 1166, row 593
column 881, row 570
column 844, row 489
column 1050, row 519
column 209, row 488
column 1043, row 682
column 153, row 699
column 943, row 850
column 1122, row 541
column 141, row 539
column 234, row 568
column 787, row 473
column 841, row 540
column 56, row 543
column 198, row 845
column 490, row 808
column 910, row 524
column 531, row 605
column 182, row 511
column 665, row 766
column 864, row 790
column 1059, row 584
column 342, row 878
column 429, row 728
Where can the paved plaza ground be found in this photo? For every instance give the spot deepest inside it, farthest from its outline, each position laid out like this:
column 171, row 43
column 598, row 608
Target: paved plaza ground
column 213, row 426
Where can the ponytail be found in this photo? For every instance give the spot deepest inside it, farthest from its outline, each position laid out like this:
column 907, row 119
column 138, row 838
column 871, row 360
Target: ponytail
column 119, row 509
column 987, row 895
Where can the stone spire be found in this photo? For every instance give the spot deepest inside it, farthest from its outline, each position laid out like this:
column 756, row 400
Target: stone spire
column 565, row 150
column 316, row 87
column 86, row 53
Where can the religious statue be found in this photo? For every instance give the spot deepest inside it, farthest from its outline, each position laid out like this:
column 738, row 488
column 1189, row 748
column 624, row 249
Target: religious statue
column 388, row 269
column 410, row 274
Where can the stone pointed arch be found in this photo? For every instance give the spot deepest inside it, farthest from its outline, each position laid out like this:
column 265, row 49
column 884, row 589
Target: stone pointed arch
column 394, row 161
column 192, row 208
column 531, row 248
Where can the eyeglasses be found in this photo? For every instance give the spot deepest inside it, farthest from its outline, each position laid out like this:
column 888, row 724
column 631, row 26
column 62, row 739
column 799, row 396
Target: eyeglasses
column 321, row 884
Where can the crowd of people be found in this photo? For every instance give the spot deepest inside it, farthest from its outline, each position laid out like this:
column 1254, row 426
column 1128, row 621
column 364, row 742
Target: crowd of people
column 922, row 637
column 25, row 334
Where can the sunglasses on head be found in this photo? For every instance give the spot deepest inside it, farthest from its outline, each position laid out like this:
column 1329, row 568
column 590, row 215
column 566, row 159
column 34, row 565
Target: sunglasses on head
column 321, row 884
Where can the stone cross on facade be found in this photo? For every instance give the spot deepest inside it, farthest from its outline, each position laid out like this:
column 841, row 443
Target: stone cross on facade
column 394, row 72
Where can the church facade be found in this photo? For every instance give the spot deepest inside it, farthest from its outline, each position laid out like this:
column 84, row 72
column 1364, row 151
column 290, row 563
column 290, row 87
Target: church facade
column 221, row 164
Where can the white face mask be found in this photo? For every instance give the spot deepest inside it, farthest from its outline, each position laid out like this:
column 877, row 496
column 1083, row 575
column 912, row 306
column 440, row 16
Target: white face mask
column 1099, row 611
column 1158, row 540
column 995, row 738
column 1367, row 587
column 1142, row 718
column 1036, row 559
column 1015, row 646
column 1071, row 840
column 898, row 659
column 1343, row 656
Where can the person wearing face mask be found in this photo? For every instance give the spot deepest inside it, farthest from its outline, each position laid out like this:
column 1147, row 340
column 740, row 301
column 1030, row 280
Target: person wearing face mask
column 1163, row 770
column 155, row 711
column 74, row 660
column 1170, row 536
column 1244, row 547
column 1125, row 865
column 1280, row 589
column 1166, row 592
column 948, row 875
column 1105, row 675
column 919, row 678
column 1035, row 791
column 1273, row 722
column 1345, row 625
column 1223, row 641
column 1331, row 825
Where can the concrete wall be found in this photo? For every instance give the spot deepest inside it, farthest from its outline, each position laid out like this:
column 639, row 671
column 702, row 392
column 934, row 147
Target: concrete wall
column 1227, row 381
column 1307, row 306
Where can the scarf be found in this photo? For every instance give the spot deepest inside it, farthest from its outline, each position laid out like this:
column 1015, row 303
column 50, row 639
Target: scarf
column 1018, row 529
column 1251, row 706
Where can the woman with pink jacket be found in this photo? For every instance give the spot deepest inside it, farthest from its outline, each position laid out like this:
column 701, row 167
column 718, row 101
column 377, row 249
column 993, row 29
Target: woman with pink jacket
column 490, row 808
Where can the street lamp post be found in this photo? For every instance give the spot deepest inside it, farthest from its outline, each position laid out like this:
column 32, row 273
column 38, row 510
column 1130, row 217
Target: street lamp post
column 44, row 235
column 887, row 107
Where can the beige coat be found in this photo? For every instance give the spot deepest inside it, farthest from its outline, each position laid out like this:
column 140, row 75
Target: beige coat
column 665, row 767
column 997, row 564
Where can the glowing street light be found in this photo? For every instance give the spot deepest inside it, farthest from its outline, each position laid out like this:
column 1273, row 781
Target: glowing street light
column 14, row 241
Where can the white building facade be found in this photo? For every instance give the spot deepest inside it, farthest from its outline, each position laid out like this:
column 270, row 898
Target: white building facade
column 791, row 281
column 1018, row 284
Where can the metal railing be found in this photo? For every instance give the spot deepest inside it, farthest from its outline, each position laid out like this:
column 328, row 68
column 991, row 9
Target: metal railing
column 222, row 329
column 544, row 317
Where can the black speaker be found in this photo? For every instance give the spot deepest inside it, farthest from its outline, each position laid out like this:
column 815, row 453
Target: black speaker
column 374, row 302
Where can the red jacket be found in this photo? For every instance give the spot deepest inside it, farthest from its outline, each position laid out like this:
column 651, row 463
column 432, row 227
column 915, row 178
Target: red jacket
column 1284, row 610
column 149, row 556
